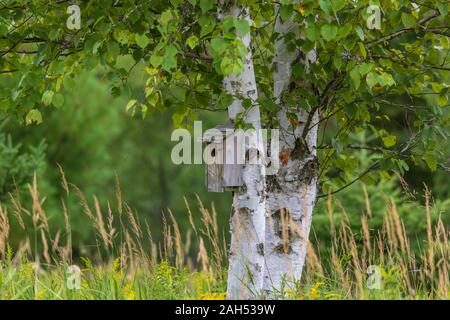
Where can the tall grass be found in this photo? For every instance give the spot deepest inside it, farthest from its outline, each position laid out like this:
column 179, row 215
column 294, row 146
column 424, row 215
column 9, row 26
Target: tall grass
column 126, row 263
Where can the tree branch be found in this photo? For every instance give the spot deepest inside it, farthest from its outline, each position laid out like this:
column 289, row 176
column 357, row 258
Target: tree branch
column 405, row 30
column 8, row 71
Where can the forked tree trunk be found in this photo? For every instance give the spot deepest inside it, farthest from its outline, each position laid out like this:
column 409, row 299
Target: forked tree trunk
column 291, row 193
column 246, row 260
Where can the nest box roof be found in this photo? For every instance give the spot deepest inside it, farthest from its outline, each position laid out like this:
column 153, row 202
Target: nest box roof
column 226, row 129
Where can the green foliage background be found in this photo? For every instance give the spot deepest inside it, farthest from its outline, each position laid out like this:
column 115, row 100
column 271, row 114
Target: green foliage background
column 96, row 141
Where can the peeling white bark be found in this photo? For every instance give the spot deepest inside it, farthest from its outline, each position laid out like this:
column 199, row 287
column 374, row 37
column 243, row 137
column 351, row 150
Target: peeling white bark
column 291, row 194
column 245, row 275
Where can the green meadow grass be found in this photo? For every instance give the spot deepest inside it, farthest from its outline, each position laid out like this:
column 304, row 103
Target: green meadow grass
column 126, row 263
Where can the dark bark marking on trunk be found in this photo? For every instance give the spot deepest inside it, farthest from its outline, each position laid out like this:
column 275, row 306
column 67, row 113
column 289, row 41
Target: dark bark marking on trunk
column 282, row 248
column 260, row 248
column 286, row 230
column 284, row 224
column 272, row 184
column 309, row 171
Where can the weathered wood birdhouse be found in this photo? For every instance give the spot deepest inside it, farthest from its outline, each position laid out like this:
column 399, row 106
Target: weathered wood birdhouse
column 222, row 156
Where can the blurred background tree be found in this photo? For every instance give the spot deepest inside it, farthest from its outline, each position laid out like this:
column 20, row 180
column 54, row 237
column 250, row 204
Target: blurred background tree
column 95, row 141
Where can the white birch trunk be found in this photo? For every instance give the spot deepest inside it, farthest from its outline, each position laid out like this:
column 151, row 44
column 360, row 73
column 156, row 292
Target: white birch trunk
column 291, row 193
column 245, row 275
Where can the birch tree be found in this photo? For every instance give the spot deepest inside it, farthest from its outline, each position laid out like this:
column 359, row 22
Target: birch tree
column 245, row 277
column 320, row 71
column 292, row 191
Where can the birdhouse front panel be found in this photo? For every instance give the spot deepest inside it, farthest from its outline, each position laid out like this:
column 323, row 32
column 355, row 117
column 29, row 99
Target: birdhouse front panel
column 224, row 160
column 214, row 166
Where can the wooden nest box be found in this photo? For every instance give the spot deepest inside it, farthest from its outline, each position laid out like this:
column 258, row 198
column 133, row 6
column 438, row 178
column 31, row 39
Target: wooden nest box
column 222, row 151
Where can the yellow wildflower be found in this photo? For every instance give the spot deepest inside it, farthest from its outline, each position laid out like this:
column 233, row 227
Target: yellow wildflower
column 315, row 289
column 214, row 296
column 40, row 294
column 301, row 9
column 129, row 292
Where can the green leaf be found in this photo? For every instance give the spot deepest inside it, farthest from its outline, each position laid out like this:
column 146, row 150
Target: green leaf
column 58, row 100
column 247, row 103
column 207, row 23
column 442, row 100
column 241, row 26
column 372, row 79
column 227, row 24
column 385, row 79
column 389, row 140
column 144, row 110
column 312, row 33
column 53, row 34
column 431, row 162
column 169, row 60
column 443, row 8
column 345, row 30
column 355, row 76
column 337, row 61
column 325, row 6
column 286, row 12
column 337, row 5
column 364, row 68
column 206, row 5
column 141, row 40
column 96, row 46
column 360, row 32
column 329, row 32
column 219, row 45
column 166, row 16
column 121, row 36
column 131, row 106
column 177, row 119
column 231, row 66
column 385, row 175
column 47, row 97
column 402, row 165
column 113, row 48
column 437, row 87
column 176, row 3
column 33, row 115
column 156, row 60
column 192, row 42
column 362, row 48
column 408, row 20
